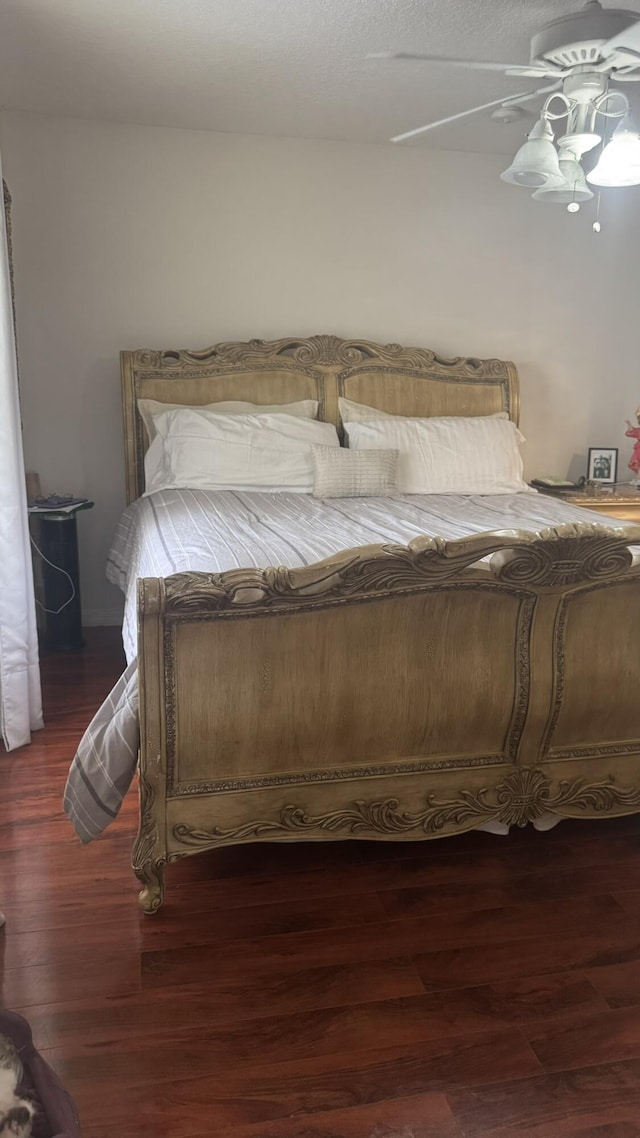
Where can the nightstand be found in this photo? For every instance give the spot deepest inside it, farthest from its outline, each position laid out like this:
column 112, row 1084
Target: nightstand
column 623, row 504
column 56, row 575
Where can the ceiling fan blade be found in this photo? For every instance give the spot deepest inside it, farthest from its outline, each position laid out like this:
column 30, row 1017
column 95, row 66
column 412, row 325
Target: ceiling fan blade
column 627, row 41
column 535, row 72
column 473, row 64
column 523, row 97
column 629, row 75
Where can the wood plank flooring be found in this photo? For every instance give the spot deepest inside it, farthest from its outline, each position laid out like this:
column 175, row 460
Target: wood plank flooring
column 466, row 988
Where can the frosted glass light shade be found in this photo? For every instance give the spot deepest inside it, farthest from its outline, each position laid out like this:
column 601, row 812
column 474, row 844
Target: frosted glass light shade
column 536, row 163
column 619, row 163
column 574, row 187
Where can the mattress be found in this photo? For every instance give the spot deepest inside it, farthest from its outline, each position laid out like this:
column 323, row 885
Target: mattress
column 173, row 531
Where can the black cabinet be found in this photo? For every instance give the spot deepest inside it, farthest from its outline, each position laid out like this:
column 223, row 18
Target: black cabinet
column 54, row 548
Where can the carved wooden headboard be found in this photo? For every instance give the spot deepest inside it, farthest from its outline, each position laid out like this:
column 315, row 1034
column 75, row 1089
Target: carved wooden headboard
column 401, row 381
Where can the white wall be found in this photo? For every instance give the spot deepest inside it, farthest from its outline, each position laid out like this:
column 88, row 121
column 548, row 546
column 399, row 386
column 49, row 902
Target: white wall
column 130, row 237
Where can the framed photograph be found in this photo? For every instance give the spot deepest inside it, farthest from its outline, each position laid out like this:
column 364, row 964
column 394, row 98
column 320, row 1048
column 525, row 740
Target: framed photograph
column 603, row 464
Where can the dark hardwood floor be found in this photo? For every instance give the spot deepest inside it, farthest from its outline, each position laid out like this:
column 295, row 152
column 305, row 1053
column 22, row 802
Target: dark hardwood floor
column 473, row 987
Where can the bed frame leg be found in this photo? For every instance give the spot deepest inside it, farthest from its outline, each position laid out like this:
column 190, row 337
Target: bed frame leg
column 151, row 875
column 149, row 856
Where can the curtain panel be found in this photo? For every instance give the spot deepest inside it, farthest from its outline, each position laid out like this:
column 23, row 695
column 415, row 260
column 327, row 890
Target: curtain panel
column 20, row 698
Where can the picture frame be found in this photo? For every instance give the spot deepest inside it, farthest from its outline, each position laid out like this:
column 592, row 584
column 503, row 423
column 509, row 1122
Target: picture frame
column 602, row 464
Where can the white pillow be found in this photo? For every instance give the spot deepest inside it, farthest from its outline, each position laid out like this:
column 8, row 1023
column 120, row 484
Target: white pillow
column 351, row 412
column 455, row 455
column 148, row 408
column 207, row 451
column 354, row 473
column 154, row 465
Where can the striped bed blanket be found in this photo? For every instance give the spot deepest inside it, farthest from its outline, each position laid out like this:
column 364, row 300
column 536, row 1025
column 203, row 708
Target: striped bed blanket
column 172, row 531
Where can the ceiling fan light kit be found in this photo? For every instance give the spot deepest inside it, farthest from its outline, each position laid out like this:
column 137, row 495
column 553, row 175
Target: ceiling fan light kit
column 573, row 187
column 580, row 54
column 619, row 163
column 536, row 163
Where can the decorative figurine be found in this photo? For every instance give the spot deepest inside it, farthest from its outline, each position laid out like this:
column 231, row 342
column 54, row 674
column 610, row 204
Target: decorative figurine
column 634, row 433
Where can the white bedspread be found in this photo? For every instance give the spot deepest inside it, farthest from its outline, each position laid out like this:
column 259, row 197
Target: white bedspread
column 176, row 530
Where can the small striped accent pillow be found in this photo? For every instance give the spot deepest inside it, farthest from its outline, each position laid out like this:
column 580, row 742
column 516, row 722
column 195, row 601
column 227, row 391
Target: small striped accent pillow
column 341, row 473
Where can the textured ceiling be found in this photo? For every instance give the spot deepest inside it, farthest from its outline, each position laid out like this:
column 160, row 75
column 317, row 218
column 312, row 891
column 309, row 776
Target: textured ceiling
column 270, row 67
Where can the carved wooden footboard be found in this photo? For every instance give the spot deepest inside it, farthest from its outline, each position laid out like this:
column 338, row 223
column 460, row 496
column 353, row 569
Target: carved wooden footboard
column 389, row 692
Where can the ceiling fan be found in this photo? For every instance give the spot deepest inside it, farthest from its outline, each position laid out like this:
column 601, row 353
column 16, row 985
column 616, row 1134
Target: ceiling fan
column 579, row 55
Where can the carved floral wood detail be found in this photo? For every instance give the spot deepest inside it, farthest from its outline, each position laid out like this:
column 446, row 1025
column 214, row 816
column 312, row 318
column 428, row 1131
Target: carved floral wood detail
column 566, row 555
column 332, row 774
column 521, row 796
column 567, row 559
column 148, row 864
column 320, row 350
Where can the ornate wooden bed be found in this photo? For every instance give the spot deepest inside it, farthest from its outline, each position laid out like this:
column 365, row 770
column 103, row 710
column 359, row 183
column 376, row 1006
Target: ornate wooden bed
column 389, row 692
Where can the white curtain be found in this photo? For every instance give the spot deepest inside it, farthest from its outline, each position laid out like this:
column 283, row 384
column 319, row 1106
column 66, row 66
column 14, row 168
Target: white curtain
column 20, row 700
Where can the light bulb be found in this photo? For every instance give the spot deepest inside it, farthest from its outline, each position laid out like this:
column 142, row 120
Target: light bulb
column 596, row 227
column 573, row 207
column 619, row 163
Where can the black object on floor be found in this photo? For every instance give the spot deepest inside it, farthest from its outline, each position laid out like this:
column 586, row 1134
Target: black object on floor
column 56, row 1114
